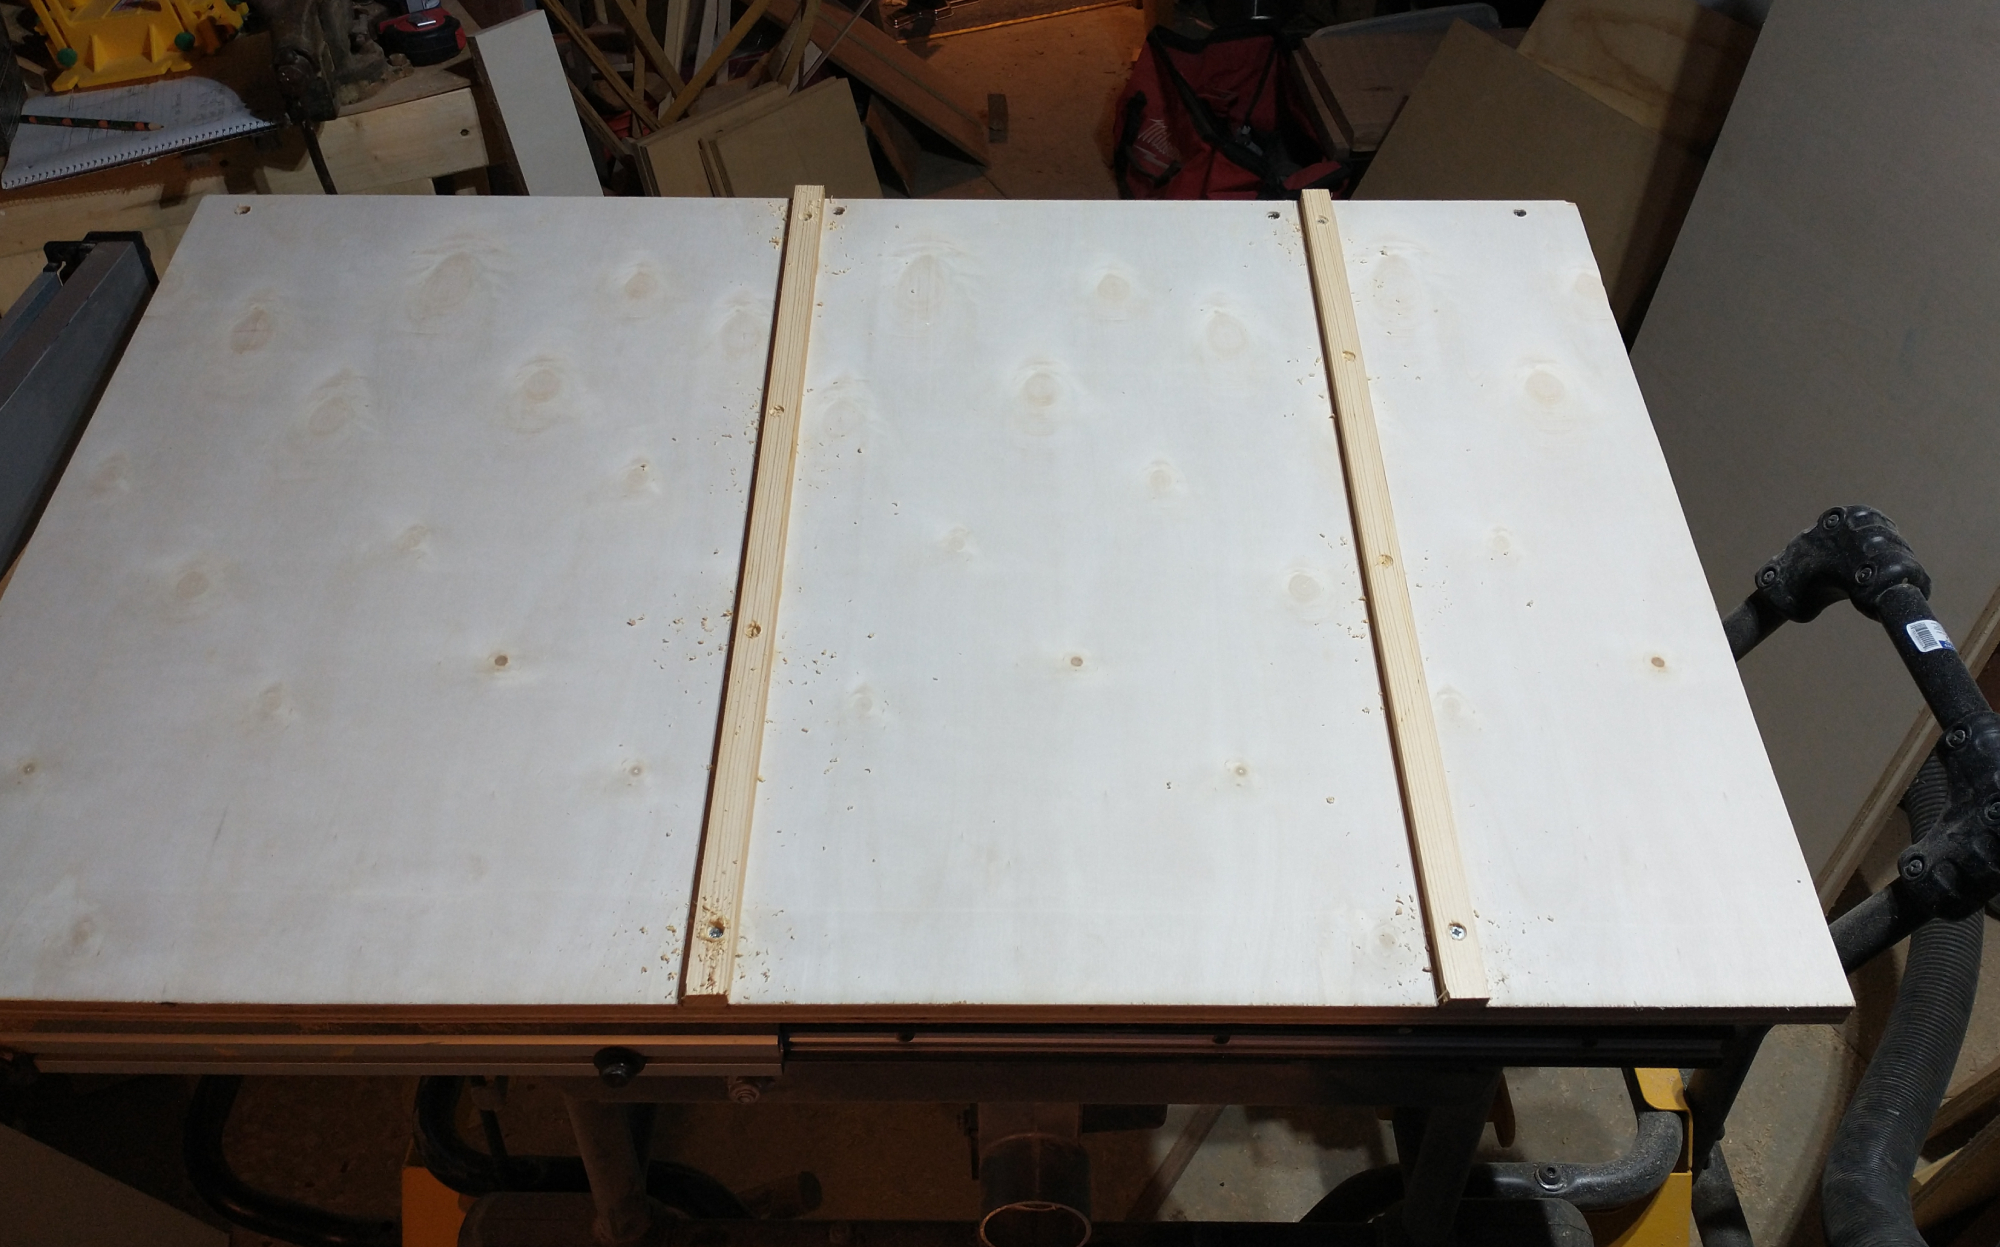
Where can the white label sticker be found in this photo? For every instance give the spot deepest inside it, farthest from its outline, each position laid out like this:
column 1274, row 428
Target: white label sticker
column 1927, row 635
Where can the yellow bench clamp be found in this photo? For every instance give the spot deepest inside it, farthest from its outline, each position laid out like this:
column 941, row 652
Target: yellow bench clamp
column 98, row 43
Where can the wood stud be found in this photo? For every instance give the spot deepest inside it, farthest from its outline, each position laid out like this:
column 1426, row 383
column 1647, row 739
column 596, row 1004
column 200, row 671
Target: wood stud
column 711, row 958
column 1448, row 914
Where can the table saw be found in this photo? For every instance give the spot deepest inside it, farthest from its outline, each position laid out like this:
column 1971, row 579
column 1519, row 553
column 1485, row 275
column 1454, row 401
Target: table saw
column 887, row 650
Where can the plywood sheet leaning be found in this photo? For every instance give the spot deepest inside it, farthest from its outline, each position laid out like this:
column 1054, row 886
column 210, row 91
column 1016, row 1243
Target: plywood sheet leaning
column 1670, row 65
column 1592, row 725
column 1368, row 77
column 670, row 161
column 541, row 135
column 1448, row 908
column 1074, row 700
column 813, row 139
column 1487, row 123
column 887, row 67
column 371, row 649
column 53, row 1198
column 725, row 844
column 1792, row 362
column 1326, row 121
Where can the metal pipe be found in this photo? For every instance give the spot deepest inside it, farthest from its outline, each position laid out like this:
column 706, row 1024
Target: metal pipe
column 617, row 1178
column 1034, row 1176
column 1436, row 1181
column 1711, row 1092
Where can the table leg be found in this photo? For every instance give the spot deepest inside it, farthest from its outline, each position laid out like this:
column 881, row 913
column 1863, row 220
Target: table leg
column 1435, row 1179
column 617, row 1175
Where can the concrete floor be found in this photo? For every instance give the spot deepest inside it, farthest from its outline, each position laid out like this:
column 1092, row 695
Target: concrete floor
column 341, row 1143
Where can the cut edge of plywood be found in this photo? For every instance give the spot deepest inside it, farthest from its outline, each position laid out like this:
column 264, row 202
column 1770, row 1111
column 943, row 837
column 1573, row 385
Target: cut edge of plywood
column 725, row 842
column 1440, row 868
column 1866, row 829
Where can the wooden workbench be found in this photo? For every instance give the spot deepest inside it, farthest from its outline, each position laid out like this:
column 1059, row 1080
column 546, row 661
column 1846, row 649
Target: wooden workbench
column 366, row 673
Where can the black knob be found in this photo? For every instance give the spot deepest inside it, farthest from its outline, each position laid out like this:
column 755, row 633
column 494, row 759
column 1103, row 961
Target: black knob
column 617, row 1067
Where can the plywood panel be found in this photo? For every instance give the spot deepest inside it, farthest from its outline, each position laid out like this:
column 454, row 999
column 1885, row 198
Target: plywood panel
column 542, row 135
column 814, row 139
column 53, row 1200
column 1367, row 77
column 670, row 161
column 1076, row 701
column 371, row 649
column 1670, row 65
column 1794, row 362
column 1487, row 123
column 1596, row 739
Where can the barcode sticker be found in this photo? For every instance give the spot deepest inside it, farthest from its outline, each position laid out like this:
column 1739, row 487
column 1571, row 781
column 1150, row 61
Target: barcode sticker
column 1927, row 635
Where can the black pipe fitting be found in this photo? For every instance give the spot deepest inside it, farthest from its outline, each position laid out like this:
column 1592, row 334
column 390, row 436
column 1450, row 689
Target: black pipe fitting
column 469, row 1171
column 1641, row 1171
column 1853, row 553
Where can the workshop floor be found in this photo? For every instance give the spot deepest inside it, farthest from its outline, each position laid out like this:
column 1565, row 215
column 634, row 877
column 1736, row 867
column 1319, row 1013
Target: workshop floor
column 341, row 1143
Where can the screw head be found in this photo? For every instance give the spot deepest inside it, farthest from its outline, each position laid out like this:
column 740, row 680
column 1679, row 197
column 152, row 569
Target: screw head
column 1913, row 867
column 1862, row 575
column 617, row 1067
column 1831, row 519
column 1769, row 576
column 1457, row 931
column 742, row 1090
column 1550, row 1177
column 1956, row 737
column 1992, row 812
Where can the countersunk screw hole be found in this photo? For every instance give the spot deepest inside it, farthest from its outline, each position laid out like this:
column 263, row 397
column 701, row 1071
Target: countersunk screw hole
column 1520, row 212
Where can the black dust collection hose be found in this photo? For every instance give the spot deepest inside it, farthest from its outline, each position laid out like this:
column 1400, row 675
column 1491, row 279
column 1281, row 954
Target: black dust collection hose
column 241, row 1204
column 1864, row 1191
column 469, row 1171
column 448, row 1156
column 1656, row 1148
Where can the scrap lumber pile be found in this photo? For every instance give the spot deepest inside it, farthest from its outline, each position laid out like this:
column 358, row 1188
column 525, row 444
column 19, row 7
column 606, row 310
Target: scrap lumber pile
column 1610, row 104
column 554, row 97
column 753, row 106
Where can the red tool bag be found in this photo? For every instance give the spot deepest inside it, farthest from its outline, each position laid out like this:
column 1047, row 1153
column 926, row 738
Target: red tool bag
column 1215, row 118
